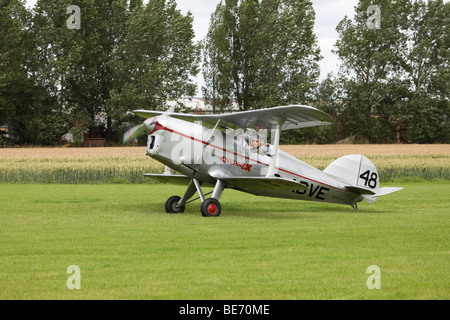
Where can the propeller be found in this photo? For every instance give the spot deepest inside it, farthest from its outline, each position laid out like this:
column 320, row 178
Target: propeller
column 147, row 126
column 133, row 133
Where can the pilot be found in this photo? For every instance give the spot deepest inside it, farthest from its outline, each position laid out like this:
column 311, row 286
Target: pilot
column 255, row 145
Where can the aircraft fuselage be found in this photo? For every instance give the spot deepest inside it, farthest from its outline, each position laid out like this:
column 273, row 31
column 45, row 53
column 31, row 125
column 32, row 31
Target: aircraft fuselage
column 209, row 154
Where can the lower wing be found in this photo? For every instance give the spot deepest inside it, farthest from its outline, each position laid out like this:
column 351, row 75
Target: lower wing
column 247, row 184
column 169, row 178
column 250, row 184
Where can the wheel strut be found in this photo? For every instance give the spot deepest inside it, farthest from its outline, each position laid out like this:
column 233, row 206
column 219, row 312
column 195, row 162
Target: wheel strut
column 209, row 208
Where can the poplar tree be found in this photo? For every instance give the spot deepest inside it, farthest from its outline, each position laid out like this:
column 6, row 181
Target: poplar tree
column 157, row 59
column 260, row 53
column 393, row 71
column 73, row 63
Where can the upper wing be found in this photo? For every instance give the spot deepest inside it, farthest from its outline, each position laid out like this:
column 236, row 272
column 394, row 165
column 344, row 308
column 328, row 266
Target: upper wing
column 293, row 117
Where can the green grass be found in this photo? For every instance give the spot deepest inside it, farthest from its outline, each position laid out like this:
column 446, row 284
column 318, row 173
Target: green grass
column 127, row 247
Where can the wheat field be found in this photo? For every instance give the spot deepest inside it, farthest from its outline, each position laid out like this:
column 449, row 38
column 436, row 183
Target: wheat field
column 128, row 164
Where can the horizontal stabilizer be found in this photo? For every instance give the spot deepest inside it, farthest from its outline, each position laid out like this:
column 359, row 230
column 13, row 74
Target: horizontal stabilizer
column 381, row 192
column 386, row 190
column 360, row 190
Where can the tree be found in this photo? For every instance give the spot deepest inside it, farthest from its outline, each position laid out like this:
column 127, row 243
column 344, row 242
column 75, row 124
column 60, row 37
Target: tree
column 121, row 55
column 326, row 98
column 426, row 65
column 13, row 77
column 157, row 59
column 260, row 54
column 73, row 64
column 393, row 76
column 218, row 66
column 370, row 57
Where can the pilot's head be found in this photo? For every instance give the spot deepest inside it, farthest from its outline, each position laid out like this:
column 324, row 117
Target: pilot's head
column 255, row 142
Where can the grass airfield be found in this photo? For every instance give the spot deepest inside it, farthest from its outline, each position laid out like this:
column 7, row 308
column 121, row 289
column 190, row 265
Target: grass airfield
column 127, row 247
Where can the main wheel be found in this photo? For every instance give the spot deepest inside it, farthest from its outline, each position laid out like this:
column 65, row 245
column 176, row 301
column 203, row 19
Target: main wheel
column 210, row 208
column 172, row 205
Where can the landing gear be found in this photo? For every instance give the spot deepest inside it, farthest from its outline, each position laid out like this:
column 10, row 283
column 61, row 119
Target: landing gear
column 172, row 205
column 209, row 208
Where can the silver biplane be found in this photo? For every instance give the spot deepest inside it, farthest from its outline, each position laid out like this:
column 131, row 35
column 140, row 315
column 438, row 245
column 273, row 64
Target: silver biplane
column 214, row 150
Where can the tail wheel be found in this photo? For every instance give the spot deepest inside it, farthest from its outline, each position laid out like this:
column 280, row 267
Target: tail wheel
column 172, row 205
column 210, row 208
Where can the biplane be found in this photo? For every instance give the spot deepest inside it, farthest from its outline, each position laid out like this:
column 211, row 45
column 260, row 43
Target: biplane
column 232, row 151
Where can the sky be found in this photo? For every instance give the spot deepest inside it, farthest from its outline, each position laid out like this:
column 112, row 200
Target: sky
column 328, row 15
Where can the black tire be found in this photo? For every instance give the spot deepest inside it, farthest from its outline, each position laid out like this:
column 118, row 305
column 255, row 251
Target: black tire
column 172, row 205
column 210, row 208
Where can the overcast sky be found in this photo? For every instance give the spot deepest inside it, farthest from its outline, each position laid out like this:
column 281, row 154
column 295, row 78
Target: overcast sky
column 328, row 15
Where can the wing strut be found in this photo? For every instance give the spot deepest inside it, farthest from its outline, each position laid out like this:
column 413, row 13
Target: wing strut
column 276, row 144
column 212, row 131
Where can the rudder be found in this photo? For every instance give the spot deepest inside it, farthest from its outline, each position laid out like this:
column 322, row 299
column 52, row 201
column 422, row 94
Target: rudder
column 360, row 175
column 355, row 170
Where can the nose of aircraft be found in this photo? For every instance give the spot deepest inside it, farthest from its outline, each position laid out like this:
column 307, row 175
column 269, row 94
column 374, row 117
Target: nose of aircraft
column 150, row 124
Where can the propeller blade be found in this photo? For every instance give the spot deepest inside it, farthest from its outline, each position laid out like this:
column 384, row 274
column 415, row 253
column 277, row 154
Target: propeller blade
column 133, row 133
column 147, row 126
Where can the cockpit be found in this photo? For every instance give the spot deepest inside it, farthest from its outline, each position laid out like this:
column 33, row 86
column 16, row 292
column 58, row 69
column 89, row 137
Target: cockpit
column 254, row 141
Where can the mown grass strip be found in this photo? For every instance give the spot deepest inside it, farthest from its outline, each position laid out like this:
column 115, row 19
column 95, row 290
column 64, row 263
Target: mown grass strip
column 127, row 247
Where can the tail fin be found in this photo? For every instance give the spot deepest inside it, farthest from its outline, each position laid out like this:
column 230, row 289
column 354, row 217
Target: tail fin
column 360, row 176
column 355, row 170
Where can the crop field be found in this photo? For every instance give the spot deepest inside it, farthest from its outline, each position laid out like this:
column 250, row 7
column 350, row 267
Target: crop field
column 127, row 164
column 126, row 247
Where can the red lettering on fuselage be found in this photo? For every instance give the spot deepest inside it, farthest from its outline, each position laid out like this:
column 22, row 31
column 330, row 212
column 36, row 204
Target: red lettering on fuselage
column 243, row 166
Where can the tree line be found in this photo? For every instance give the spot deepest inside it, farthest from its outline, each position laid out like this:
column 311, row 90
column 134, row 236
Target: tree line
column 84, row 65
